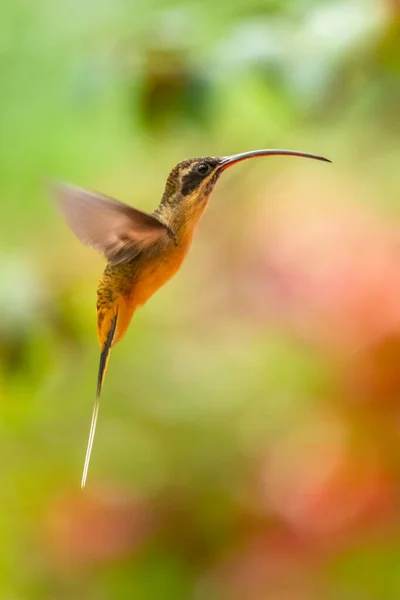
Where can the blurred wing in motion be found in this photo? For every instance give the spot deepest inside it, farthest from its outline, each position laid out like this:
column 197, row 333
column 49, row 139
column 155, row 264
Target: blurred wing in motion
column 113, row 228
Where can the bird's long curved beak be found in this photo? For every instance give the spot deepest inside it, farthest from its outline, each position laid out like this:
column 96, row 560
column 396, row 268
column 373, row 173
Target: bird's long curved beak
column 229, row 161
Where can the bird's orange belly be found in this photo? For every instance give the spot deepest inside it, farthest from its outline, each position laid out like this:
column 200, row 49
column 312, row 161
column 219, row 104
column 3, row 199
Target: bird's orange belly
column 154, row 276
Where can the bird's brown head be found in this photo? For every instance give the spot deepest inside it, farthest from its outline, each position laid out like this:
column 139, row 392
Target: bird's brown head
column 190, row 183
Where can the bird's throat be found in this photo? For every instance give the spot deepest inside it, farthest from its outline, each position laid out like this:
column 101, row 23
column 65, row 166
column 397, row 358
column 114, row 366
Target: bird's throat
column 181, row 216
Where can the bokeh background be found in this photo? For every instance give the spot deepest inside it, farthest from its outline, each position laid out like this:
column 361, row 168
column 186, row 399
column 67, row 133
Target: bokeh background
column 248, row 445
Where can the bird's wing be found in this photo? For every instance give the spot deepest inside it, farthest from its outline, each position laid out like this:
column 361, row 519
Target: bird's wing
column 113, row 228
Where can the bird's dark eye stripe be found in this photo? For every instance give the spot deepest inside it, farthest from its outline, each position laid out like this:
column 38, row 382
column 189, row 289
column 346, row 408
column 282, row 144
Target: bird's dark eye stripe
column 190, row 182
column 194, row 178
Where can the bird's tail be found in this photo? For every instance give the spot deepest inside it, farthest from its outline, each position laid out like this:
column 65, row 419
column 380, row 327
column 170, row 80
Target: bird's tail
column 104, row 356
column 113, row 318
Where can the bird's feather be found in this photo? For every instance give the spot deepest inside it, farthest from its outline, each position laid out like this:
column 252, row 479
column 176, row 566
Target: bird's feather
column 117, row 230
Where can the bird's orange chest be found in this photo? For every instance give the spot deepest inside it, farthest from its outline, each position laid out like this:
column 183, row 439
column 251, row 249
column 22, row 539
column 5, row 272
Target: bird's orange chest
column 155, row 271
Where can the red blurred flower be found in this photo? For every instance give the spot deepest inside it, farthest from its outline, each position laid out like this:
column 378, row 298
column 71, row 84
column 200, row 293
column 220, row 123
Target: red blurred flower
column 332, row 268
column 275, row 564
column 326, row 483
column 88, row 527
column 326, row 269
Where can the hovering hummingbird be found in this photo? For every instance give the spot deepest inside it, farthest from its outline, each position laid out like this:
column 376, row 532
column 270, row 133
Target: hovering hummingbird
column 143, row 250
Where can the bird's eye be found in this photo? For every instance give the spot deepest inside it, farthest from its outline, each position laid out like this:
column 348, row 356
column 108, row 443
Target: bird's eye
column 203, row 168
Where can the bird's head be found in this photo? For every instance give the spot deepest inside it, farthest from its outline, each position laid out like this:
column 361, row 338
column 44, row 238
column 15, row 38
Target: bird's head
column 190, row 183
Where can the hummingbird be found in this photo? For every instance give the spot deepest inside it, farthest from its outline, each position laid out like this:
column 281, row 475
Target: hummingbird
column 143, row 250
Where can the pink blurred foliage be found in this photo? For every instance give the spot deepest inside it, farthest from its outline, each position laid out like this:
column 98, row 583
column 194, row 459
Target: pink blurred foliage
column 331, row 265
column 90, row 527
column 320, row 265
column 317, row 490
column 328, row 483
column 274, row 564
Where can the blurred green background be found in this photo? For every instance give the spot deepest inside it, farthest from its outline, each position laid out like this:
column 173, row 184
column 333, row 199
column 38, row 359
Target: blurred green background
column 249, row 432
